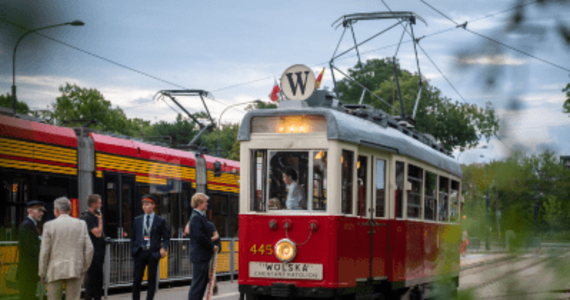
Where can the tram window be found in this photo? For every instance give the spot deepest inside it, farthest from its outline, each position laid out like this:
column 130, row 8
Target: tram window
column 288, row 180
column 400, row 182
column 112, row 212
column 362, row 172
column 430, row 197
column 443, row 212
column 454, row 196
column 319, row 180
column 186, row 196
column 126, row 209
column 415, row 177
column 380, row 188
column 234, row 216
column 258, row 176
column 347, row 161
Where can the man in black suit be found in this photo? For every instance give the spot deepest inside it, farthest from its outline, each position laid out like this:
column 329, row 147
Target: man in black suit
column 149, row 241
column 29, row 246
column 201, row 247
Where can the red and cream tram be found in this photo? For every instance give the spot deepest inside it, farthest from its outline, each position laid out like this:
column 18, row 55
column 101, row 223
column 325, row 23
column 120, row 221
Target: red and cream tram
column 341, row 202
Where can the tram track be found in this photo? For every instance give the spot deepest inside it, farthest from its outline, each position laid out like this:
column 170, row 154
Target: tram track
column 526, row 277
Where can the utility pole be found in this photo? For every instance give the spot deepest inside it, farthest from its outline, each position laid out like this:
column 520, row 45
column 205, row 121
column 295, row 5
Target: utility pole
column 487, row 206
column 535, row 209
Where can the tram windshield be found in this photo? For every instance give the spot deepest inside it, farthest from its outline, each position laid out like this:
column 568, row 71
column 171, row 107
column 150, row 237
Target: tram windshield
column 291, row 176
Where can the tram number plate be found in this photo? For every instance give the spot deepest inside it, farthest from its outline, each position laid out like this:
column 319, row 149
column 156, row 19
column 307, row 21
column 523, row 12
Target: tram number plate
column 286, row 271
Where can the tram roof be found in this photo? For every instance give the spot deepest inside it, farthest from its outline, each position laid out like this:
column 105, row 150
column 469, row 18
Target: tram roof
column 38, row 132
column 345, row 127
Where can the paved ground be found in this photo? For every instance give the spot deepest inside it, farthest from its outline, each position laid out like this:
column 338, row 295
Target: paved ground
column 230, row 290
column 227, row 291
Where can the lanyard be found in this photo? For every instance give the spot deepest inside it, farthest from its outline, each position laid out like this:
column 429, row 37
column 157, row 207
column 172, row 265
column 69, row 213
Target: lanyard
column 147, row 227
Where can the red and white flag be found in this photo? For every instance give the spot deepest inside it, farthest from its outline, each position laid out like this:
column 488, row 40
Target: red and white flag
column 320, row 78
column 275, row 91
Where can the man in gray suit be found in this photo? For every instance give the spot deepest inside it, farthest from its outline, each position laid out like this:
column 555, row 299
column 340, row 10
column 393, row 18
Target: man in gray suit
column 65, row 254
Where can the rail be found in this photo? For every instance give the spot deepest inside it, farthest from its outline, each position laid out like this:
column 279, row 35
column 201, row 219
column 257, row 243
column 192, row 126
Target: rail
column 118, row 266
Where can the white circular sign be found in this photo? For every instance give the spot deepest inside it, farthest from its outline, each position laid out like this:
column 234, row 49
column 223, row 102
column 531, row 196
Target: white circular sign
column 298, row 82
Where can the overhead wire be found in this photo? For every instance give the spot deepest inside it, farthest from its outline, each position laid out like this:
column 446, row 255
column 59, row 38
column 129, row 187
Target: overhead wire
column 113, row 62
column 383, row 47
column 495, row 41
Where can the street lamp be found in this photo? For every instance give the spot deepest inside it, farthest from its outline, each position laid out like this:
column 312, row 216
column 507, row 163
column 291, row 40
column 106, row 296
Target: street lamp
column 484, row 147
column 74, row 23
column 219, row 150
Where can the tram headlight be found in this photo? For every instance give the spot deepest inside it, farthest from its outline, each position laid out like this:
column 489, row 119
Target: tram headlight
column 285, row 250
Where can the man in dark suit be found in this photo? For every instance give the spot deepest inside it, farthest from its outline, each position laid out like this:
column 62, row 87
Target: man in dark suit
column 149, row 241
column 201, row 247
column 29, row 246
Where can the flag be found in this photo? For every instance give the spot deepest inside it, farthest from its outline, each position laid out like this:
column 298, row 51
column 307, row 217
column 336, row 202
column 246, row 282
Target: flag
column 275, row 91
column 320, row 78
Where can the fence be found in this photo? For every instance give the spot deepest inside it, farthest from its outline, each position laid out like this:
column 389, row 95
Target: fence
column 118, row 267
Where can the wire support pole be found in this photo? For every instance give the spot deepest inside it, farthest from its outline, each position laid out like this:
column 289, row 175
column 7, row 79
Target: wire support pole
column 367, row 40
column 358, row 83
column 401, row 38
column 332, row 67
column 338, row 45
column 402, row 111
column 357, row 53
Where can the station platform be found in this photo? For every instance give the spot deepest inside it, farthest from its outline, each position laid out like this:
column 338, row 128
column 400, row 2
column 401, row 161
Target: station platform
column 229, row 290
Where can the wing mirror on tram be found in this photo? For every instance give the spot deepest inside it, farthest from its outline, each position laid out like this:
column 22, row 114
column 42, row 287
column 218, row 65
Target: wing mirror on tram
column 217, row 169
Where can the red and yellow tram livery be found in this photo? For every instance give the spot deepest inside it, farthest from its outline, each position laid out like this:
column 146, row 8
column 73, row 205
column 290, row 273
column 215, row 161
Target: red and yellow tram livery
column 341, row 202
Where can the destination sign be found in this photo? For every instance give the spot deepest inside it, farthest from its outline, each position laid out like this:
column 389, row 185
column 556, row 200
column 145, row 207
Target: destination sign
column 286, row 271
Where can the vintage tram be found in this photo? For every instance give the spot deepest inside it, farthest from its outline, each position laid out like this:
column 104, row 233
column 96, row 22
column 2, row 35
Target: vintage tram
column 342, row 202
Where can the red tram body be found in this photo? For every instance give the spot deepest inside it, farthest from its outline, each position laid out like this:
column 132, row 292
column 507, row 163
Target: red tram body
column 414, row 242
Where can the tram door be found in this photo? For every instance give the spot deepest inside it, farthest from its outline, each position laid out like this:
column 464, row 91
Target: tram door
column 372, row 208
column 119, row 205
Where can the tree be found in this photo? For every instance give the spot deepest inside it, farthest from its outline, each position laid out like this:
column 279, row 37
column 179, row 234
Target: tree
column 566, row 105
column 21, row 107
column 261, row 105
column 453, row 124
column 78, row 106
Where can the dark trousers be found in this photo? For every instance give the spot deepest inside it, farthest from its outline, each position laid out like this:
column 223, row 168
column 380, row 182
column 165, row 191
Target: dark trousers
column 142, row 259
column 28, row 287
column 200, row 280
column 94, row 280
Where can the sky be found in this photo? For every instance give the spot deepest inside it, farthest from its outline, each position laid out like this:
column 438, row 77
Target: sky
column 236, row 49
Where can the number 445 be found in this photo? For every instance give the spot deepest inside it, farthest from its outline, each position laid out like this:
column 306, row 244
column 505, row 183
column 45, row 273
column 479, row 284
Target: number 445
column 262, row 250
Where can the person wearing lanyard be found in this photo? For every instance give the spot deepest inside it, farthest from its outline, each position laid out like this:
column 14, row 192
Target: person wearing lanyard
column 149, row 241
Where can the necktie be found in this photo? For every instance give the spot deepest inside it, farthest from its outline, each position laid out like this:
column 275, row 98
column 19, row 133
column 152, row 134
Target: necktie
column 147, row 229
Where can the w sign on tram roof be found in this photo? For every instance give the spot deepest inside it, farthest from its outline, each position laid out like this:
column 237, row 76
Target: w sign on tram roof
column 298, row 82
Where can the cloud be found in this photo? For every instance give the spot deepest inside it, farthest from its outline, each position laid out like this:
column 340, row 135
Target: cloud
column 494, row 60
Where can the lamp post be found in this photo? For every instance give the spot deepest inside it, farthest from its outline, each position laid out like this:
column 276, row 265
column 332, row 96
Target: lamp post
column 219, row 150
column 74, row 23
column 484, row 147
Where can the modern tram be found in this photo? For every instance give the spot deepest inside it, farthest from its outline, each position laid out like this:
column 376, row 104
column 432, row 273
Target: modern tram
column 43, row 162
column 377, row 213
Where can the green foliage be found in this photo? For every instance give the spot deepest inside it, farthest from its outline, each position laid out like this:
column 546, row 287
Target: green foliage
column 510, row 185
column 77, row 106
column 552, row 212
column 453, row 124
column 261, row 105
column 566, row 105
column 21, row 107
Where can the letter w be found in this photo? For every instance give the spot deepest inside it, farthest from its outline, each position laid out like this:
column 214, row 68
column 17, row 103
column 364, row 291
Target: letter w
column 300, row 82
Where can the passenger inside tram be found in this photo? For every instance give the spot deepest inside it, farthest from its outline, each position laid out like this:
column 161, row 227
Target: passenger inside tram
column 288, row 180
